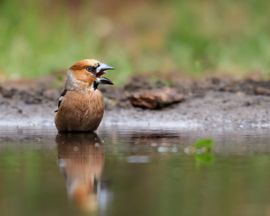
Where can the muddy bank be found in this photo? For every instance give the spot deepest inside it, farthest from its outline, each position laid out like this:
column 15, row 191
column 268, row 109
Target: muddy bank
column 208, row 104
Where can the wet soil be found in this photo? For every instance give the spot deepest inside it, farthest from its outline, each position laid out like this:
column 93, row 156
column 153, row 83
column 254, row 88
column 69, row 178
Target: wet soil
column 211, row 103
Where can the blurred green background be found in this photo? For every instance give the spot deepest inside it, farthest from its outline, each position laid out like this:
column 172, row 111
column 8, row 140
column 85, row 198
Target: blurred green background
column 192, row 37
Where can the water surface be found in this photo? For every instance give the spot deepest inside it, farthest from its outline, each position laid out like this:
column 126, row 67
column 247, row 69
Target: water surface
column 127, row 172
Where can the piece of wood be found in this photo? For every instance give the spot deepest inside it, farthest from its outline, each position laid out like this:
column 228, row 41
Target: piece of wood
column 155, row 98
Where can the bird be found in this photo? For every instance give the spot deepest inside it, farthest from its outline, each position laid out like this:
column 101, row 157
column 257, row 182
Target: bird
column 81, row 105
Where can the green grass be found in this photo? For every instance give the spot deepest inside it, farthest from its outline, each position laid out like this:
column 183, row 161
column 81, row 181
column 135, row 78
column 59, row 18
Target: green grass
column 193, row 37
column 204, row 151
column 232, row 36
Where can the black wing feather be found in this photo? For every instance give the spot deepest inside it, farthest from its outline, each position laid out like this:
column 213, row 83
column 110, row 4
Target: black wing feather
column 61, row 99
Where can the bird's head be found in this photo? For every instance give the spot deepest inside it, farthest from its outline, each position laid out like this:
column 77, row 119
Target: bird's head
column 89, row 72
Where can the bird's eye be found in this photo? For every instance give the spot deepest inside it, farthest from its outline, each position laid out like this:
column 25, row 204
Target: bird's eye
column 91, row 69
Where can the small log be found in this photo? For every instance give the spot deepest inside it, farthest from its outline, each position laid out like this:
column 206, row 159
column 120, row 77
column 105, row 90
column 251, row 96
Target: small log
column 155, row 98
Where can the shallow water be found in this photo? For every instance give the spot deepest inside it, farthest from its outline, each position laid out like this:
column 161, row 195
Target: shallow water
column 123, row 172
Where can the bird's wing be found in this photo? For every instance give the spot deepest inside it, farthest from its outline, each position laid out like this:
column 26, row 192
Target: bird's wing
column 61, row 99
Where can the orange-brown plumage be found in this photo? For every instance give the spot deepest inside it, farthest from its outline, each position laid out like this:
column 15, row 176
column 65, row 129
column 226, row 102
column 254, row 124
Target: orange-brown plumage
column 82, row 64
column 81, row 107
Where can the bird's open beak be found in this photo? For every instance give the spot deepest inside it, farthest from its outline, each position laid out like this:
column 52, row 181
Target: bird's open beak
column 104, row 80
column 102, row 69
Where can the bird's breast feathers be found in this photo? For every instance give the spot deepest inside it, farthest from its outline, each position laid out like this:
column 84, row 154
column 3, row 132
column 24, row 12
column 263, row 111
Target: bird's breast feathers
column 80, row 111
column 82, row 101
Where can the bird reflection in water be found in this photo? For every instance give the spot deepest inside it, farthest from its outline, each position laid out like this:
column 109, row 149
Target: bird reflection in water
column 81, row 160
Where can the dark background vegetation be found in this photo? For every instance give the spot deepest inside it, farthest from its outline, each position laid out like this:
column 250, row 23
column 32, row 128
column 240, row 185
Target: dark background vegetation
column 192, row 37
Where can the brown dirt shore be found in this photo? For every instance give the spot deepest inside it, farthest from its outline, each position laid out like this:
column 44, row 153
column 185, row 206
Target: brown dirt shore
column 208, row 104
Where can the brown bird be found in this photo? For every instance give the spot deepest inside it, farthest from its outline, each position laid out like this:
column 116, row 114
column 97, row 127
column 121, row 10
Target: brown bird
column 81, row 106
